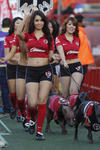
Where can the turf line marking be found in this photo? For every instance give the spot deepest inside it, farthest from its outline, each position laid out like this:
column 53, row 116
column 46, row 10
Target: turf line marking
column 5, row 126
column 3, row 140
column 1, row 134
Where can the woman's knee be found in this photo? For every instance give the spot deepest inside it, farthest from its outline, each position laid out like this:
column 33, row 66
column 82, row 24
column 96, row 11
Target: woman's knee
column 20, row 97
column 20, row 94
column 42, row 99
column 73, row 91
column 32, row 103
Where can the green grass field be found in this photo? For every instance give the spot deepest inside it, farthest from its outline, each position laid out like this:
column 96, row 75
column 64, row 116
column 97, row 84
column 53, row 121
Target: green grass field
column 18, row 139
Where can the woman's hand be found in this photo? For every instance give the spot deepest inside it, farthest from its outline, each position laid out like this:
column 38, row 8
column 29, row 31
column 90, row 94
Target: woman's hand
column 25, row 10
column 33, row 8
column 64, row 62
column 2, row 60
column 56, row 57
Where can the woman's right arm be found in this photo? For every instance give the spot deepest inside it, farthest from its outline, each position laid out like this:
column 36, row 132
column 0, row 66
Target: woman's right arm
column 21, row 27
column 61, row 51
column 24, row 26
column 62, row 56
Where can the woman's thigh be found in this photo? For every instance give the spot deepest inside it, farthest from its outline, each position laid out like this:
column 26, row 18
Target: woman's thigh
column 44, row 89
column 12, row 85
column 20, row 88
column 32, row 90
column 76, row 82
column 65, row 83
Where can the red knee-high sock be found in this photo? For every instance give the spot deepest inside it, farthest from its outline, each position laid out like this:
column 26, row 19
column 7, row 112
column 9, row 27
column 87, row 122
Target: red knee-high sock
column 13, row 100
column 28, row 113
column 41, row 116
column 31, row 113
column 21, row 106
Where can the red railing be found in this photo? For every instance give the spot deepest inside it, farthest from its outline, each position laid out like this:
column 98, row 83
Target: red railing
column 92, row 83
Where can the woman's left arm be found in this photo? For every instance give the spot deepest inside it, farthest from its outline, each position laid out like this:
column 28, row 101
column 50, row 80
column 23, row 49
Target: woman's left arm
column 9, row 55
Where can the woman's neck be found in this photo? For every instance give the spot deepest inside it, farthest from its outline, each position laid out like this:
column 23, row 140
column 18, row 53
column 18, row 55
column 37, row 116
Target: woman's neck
column 38, row 33
column 69, row 34
column 69, row 37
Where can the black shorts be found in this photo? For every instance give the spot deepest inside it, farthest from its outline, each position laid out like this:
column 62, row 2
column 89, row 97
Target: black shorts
column 75, row 67
column 37, row 74
column 11, row 71
column 21, row 72
column 85, row 68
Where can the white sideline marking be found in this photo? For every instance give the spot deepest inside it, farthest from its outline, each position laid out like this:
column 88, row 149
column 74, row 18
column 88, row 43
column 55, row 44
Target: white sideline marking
column 7, row 129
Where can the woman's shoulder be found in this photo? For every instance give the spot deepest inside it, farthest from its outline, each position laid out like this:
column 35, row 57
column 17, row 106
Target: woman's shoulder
column 60, row 37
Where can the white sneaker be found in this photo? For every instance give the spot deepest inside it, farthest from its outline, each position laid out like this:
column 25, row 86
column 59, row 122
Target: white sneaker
column 2, row 143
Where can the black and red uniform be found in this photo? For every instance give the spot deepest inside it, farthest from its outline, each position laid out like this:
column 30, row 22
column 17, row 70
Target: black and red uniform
column 68, row 46
column 38, row 49
column 11, row 69
column 20, row 74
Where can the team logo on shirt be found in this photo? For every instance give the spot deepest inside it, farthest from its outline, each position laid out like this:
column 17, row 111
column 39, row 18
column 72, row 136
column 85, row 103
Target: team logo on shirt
column 77, row 43
column 45, row 41
column 48, row 74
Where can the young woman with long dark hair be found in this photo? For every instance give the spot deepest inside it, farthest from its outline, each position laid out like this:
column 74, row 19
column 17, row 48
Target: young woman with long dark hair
column 12, row 59
column 20, row 73
column 54, row 30
column 39, row 76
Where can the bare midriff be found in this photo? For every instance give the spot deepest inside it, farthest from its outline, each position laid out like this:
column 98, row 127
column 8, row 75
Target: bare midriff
column 71, row 61
column 36, row 62
column 23, row 60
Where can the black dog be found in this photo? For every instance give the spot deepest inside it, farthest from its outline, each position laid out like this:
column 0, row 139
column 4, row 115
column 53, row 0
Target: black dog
column 88, row 113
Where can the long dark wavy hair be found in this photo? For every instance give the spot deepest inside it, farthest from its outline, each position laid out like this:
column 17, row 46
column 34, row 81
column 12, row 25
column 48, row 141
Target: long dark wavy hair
column 45, row 29
column 23, row 46
column 75, row 23
column 55, row 26
column 11, row 29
